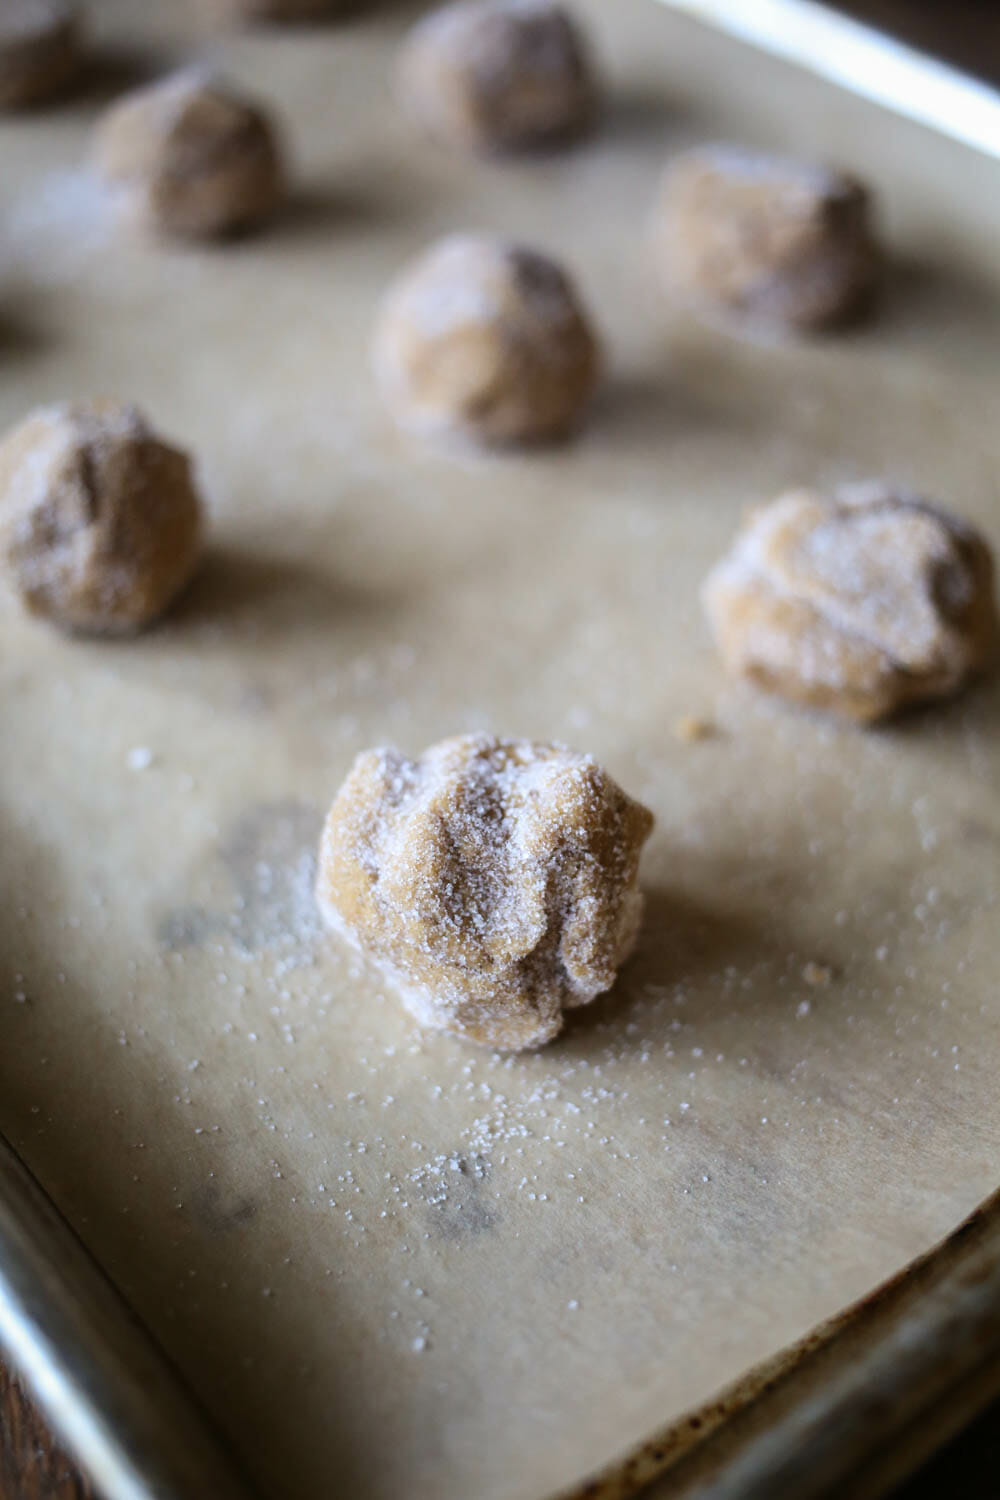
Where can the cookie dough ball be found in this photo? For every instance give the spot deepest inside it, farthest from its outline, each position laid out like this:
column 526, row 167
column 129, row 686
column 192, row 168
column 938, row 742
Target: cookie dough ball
column 39, row 50
column 487, row 340
column 100, row 523
column 773, row 241
column 494, row 881
column 859, row 602
column 191, row 157
column 498, row 75
column 276, row 10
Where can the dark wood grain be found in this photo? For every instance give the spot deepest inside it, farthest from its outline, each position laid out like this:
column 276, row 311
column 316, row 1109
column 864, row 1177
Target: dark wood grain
column 32, row 1466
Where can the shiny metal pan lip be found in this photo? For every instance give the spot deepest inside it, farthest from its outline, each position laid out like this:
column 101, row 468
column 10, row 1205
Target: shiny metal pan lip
column 107, row 1389
column 862, row 60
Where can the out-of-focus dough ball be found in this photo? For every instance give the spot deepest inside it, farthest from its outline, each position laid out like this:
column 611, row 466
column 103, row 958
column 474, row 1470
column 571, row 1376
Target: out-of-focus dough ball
column 495, row 881
column 39, row 50
column 485, row 339
column 191, row 157
column 773, row 241
column 498, row 75
column 100, row 522
column 277, row 10
column 859, row 602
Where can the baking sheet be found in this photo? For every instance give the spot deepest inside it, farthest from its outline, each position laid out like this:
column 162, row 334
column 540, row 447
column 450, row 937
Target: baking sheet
column 394, row 1263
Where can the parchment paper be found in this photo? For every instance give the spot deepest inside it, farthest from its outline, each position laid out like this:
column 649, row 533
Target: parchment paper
column 395, row 1265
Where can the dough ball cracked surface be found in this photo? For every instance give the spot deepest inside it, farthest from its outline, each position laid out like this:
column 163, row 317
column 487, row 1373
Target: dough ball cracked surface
column 488, row 340
column 494, row 880
column 859, row 602
column 498, row 75
column 191, row 157
column 774, row 241
column 39, row 50
column 100, row 523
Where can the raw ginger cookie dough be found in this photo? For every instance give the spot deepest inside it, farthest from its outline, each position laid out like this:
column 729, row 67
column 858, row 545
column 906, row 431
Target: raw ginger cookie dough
column 39, row 50
column 498, row 75
column 495, row 881
column 487, row 340
column 770, row 240
column 100, row 522
column 190, row 156
column 860, row 602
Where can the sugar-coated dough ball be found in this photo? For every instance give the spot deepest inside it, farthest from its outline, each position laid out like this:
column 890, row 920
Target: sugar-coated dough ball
column 191, row 157
column 277, row 10
column 770, row 240
column 494, row 881
column 859, row 602
column 498, row 75
column 488, row 340
column 100, row 522
column 39, row 50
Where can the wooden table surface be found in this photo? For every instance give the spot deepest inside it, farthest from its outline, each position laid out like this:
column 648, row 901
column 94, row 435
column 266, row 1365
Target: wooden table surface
column 32, row 1466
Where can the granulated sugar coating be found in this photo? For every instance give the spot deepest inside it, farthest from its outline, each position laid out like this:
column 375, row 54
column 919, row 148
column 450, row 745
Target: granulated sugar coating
column 498, row 75
column 782, row 242
column 100, row 522
column 488, row 340
column 861, row 602
column 495, row 880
